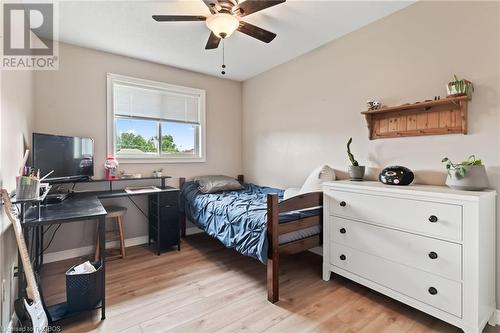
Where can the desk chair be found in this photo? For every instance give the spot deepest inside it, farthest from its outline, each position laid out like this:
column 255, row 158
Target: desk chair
column 114, row 212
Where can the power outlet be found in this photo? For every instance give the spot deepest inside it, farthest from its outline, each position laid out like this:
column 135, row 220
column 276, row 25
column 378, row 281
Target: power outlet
column 13, row 282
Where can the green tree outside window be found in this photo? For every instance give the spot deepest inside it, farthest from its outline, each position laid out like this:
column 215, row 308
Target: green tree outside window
column 128, row 140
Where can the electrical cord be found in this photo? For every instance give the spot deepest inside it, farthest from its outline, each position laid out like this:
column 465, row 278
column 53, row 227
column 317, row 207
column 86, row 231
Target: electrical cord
column 52, row 238
column 139, row 208
column 47, row 229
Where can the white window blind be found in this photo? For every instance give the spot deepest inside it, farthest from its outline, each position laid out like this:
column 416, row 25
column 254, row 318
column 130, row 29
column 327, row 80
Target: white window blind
column 153, row 122
column 137, row 101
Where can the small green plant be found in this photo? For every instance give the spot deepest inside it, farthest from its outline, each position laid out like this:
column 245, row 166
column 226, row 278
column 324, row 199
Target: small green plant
column 462, row 87
column 351, row 156
column 460, row 168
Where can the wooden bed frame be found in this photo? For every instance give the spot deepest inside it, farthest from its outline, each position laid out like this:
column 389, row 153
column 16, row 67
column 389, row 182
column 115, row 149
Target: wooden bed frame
column 274, row 230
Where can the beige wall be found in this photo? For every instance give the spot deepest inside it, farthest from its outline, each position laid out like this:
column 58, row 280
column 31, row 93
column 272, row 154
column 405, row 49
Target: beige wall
column 16, row 123
column 72, row 101
column 300, row 114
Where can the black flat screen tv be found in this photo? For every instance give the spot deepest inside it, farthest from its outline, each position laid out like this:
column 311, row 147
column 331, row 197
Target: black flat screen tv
column 71, row 158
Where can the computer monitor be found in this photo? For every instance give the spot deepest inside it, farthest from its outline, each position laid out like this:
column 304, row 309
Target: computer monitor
column 71, row 158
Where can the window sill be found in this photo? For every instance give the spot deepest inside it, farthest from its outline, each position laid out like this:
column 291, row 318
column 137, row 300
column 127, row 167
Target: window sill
column 159, row 160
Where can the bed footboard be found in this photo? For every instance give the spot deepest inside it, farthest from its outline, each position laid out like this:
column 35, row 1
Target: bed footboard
column 182, row 216
column 274, row 230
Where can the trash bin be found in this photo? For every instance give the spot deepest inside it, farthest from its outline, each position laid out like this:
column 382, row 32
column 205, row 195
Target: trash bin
column 84, row 291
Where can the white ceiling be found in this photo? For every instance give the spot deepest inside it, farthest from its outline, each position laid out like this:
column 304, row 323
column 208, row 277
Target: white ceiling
column 127, row 28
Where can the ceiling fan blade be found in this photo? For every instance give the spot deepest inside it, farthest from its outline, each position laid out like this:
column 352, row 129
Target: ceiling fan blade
column 177, row 18
column 225, row 5
column 211, row 5
column 256, row 32
column 251, row 6
column 213, row 42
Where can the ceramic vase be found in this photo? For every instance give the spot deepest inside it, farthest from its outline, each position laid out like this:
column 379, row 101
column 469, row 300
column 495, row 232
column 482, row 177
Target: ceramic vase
column 356, row 173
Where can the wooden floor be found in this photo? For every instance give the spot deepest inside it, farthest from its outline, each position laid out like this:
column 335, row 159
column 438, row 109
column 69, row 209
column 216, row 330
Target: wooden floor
column 207, row 288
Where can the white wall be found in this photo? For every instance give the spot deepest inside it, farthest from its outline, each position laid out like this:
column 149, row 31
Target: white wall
column 72, row 101
column 16, row 123
column 301, row 114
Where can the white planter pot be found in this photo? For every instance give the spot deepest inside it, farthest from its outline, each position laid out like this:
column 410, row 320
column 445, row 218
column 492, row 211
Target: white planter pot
column 451, row 91
column 475, row 179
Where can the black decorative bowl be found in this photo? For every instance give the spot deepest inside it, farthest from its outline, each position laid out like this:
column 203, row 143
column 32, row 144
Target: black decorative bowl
column 396, row 175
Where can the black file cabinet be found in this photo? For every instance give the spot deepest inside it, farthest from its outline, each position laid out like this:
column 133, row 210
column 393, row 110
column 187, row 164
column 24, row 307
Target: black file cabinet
column 163, row 214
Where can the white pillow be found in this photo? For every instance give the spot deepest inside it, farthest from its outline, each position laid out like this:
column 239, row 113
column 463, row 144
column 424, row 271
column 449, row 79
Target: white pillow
column 315, row 180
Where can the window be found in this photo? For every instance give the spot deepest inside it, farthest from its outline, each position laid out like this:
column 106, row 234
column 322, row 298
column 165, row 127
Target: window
column 155, row 122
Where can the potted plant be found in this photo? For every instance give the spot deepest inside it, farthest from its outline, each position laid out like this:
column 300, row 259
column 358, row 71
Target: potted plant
column 469, row 175
column 158, row 173
column 460, row 87
column 356, row 172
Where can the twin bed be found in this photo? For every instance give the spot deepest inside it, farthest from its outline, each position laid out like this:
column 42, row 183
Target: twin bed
column 256, row 222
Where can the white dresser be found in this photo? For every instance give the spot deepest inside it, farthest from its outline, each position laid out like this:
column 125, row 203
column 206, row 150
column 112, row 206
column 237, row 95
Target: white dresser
column 430, row 247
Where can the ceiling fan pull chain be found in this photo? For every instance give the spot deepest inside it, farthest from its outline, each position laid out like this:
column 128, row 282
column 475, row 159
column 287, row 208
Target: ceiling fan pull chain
column 223, row 59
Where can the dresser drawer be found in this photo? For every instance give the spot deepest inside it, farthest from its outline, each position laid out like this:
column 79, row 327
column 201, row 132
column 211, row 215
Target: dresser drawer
column 428, row 254
column 433, row 290
column 430, row 218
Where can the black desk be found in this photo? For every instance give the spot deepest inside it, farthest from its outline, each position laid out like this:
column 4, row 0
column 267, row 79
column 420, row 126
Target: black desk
column 82, row 206
column 77, row 207
column 156, row 218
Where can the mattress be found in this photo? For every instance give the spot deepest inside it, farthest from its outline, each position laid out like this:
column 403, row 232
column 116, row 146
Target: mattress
column 299, row 234
column 239, row 218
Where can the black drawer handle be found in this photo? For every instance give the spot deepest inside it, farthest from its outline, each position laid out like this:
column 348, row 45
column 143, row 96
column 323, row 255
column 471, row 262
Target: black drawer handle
column 342, row 204
column 433, row 255
column 433, row 291
column 433, row 219
column 342, row 257
column 342, row 230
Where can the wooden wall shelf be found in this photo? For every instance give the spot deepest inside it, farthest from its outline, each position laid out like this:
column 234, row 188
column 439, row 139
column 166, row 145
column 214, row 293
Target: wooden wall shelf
column 443, row 116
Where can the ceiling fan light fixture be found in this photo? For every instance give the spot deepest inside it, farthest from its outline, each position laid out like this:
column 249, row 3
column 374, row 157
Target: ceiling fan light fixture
column 223, row 24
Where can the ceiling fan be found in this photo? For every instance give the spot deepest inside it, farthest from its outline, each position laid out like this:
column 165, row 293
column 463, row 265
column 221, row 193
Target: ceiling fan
column 226, row 19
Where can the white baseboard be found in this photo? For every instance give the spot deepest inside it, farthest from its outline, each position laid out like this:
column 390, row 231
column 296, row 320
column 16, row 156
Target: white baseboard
column 317, row 250
column 86, row 250
column 193, row 230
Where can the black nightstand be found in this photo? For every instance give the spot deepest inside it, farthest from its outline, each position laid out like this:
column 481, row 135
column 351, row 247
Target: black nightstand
column 164, row 231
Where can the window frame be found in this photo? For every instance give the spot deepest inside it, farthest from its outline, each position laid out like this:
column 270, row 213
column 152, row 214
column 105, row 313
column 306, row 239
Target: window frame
column 159, row 158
